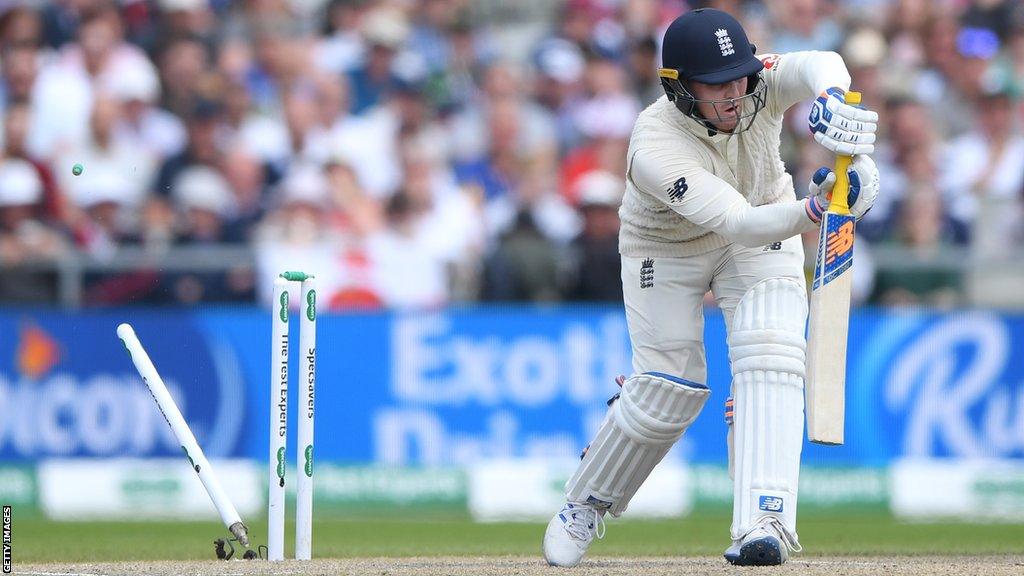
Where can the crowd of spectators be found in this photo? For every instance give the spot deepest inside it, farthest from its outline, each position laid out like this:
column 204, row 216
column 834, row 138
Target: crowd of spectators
column 415, row 153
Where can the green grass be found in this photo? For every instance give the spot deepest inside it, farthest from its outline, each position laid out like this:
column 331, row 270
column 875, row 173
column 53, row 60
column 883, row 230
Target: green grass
column 37, row 540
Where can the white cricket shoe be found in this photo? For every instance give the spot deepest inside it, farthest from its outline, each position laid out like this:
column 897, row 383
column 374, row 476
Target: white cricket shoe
column 570, row 533
column 767, row 544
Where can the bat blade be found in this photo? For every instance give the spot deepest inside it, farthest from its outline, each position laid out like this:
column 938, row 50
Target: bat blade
column 828, row 329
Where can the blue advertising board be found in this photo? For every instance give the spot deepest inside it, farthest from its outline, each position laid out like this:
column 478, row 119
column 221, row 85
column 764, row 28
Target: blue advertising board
column 68, row 388
column 452, row 387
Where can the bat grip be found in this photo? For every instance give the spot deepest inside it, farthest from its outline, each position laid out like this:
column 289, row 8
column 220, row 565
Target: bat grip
column 840, row 202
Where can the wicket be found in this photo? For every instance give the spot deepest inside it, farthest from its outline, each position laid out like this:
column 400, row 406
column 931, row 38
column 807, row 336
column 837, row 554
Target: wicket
column 279, row 417
column 196, row 458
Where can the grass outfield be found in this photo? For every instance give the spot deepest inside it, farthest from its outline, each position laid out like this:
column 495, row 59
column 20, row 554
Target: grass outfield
column 705, row 534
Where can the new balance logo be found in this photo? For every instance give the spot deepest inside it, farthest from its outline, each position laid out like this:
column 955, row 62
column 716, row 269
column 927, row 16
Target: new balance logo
column 770, row 503
column 773, row 247
column 678, row 189
column 647, row 274
column 724, row 42
column 839, row 242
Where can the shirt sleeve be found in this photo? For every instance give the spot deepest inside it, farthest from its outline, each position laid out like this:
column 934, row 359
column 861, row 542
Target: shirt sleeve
column 692, row 191
column 797, row 76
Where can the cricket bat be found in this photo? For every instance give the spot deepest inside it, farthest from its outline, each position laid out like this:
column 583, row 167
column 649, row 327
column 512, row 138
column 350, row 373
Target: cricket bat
column 829, row 322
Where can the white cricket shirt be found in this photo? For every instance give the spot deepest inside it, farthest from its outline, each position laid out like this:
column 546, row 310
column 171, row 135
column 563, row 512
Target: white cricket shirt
column 688, row 192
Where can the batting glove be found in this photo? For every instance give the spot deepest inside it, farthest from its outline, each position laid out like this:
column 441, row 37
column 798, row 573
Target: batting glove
column 864, row 184
column 842, row 128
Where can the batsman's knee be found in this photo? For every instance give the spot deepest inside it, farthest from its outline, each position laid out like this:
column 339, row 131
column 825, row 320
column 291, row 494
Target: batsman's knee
column 768, row 328
column 658, row 407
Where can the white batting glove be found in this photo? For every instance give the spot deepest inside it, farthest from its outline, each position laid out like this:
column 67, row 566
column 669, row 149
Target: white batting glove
column 864, row 184
column 842, row 128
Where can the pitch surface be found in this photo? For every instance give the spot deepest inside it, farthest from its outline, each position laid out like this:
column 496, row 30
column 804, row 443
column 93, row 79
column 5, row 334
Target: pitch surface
column 835, row 545
column 486, row 566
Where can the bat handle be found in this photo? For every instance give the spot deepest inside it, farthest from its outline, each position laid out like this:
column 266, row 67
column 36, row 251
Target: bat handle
column 840, row 202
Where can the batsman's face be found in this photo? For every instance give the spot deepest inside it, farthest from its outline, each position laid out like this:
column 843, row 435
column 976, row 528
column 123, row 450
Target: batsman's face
column 718, row 102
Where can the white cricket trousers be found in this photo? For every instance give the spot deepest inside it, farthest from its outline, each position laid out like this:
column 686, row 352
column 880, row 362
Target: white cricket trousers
column 664, row 299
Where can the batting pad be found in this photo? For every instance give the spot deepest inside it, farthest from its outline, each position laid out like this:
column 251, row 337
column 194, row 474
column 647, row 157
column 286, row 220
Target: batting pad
column 767, row 349
column 652, row 412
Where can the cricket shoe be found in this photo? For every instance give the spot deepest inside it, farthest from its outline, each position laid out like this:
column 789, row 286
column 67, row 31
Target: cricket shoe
column 768, row 544
column 570, row 533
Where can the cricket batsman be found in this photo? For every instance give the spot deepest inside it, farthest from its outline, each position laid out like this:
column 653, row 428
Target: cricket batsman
column 709, row 206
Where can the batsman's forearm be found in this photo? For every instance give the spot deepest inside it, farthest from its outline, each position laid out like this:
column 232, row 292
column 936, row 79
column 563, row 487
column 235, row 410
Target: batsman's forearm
column 819, row 71
column 754, row 226
column 803, row 75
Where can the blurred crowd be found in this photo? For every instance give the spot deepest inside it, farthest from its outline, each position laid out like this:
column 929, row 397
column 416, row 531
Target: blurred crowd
column 416, row 153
